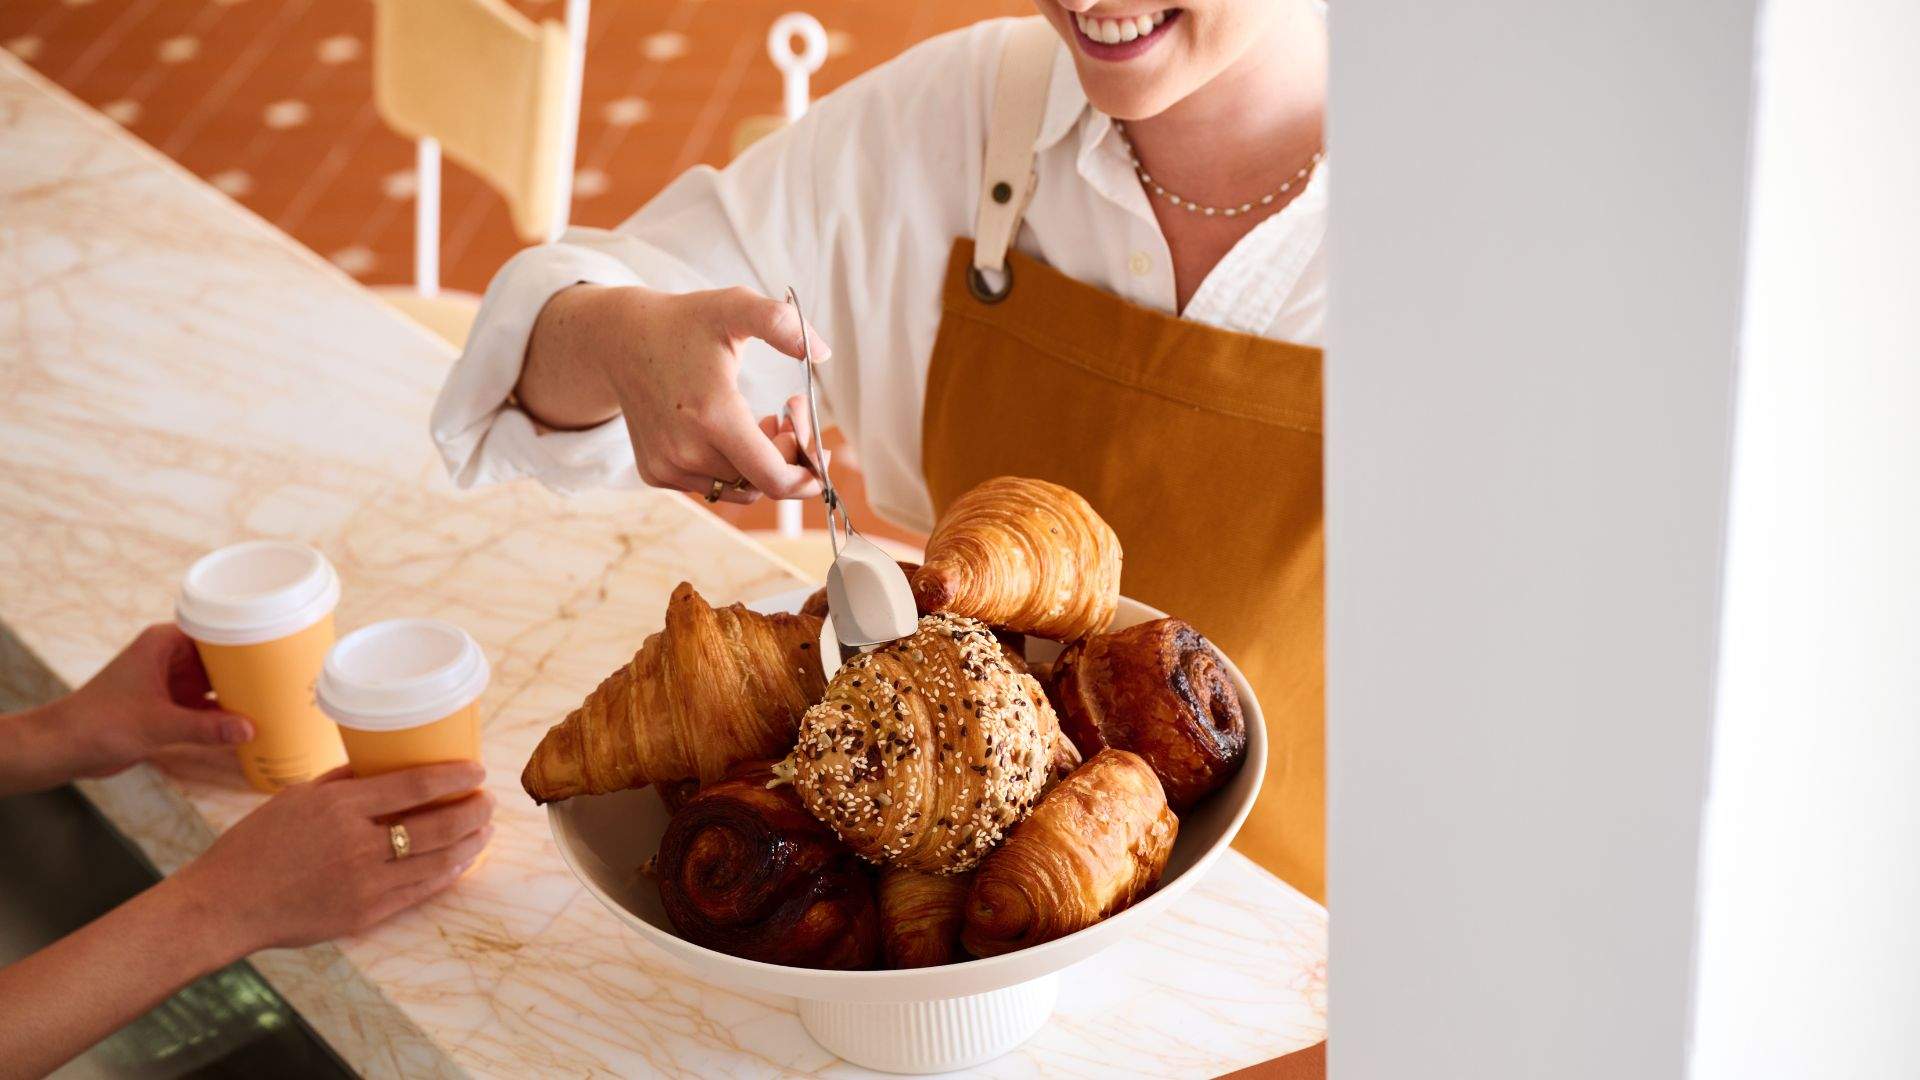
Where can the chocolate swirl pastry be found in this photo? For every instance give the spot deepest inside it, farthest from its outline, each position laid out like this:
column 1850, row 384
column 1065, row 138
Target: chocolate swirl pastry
column 927, row 749
column 1160, row 690
column 745, row 870
column 920, row 917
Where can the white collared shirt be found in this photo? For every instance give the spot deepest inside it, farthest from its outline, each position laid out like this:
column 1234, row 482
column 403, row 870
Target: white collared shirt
column 857, row 206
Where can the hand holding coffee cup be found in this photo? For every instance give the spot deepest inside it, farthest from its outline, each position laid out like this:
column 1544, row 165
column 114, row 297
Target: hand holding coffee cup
column 316, row 860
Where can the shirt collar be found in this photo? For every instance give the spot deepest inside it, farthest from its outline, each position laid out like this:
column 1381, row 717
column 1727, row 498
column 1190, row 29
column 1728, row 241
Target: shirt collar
column 1099, row 158
column 1065, row 101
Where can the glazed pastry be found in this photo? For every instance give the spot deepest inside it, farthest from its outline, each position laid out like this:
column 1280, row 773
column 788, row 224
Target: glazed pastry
column 1160, row 690
column 1095, row 844
column 1026, row 555
column 927, row 749
column 920, row 916
column 715, row 687
column 744, row 869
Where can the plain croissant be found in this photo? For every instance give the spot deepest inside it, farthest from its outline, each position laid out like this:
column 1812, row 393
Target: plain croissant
column 715, row 687
column 1026, row 555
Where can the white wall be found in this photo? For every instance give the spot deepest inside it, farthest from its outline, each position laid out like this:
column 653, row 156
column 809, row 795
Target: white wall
column 1536, row 250
column 1810, row 943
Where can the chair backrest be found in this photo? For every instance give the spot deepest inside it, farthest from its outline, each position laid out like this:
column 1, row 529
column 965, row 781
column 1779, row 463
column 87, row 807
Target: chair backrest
column 490, row 85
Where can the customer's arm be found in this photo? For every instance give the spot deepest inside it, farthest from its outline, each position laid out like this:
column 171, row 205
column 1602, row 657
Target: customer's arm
column 309, row 864
column 153, row 694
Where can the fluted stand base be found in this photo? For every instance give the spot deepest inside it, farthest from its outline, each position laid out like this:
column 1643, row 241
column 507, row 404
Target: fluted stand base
column 931, row 1036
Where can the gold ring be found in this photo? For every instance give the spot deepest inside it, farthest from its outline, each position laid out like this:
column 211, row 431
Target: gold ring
column 399, row 841
column 719, row 488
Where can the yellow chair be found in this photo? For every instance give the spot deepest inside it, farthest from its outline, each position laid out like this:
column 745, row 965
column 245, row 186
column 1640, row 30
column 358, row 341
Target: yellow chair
column 500, row 95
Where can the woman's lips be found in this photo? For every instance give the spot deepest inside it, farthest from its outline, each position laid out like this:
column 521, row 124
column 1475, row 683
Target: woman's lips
column 1120, row 39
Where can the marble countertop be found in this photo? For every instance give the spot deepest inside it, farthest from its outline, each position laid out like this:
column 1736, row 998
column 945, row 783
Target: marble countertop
column 179, row 375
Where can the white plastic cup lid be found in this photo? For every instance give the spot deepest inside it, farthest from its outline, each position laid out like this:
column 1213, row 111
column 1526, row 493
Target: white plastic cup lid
column 256, row 591
column 399, row 674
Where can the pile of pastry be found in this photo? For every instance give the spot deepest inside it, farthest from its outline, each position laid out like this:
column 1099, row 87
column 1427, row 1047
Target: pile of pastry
column 939, row 798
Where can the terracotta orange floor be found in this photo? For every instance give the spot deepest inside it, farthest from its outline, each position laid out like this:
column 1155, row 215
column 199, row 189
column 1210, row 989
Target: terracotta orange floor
column 270, row 101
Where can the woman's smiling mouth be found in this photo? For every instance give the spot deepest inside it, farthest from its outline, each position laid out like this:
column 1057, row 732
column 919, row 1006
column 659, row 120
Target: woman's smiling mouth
column 1106, row 38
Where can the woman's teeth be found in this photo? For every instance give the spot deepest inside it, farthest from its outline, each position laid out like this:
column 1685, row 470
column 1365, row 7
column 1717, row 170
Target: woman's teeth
column 1115, row 31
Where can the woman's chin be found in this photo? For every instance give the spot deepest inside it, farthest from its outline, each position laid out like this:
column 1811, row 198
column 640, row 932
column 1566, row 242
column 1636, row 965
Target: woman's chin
column 1130, row 98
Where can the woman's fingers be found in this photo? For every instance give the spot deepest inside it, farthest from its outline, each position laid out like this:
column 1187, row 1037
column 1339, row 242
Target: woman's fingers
column 212, row 727
column 419, row 878
column 701, row 484
column 446, row 862
column 745, row 313
column 390, row 793
column 747, row 447
column 441, row 826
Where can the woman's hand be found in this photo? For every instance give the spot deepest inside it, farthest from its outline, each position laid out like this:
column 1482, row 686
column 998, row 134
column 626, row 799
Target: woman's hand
column 669, row 364
column 153, row 694
column 315, row 861
column 309, row 864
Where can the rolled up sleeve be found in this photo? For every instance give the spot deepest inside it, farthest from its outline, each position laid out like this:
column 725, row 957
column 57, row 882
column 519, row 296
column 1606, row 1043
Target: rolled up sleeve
column 481, row 436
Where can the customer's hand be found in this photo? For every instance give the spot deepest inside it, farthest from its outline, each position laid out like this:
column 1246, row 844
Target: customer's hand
column 315, row 861
column 153, row 694
column 670, row 363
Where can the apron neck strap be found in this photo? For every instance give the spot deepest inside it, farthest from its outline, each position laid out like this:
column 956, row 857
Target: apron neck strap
column 1019, row 104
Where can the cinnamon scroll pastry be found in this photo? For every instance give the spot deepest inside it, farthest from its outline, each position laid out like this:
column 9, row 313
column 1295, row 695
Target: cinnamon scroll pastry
column 1160, row 690
column 744, row 869
column 1095, row 844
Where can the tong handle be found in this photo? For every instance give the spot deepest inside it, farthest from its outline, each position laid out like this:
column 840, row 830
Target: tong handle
column 838, row 523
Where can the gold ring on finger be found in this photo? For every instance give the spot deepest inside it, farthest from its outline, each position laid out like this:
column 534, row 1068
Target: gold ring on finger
column 399, row 841
column 718, row 489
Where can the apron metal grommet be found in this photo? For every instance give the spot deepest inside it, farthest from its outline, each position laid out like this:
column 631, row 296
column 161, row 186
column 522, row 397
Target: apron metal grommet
column 983, row 292
column 1002, row 192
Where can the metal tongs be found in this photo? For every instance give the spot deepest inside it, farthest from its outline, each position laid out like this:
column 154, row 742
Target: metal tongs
column 869, row 602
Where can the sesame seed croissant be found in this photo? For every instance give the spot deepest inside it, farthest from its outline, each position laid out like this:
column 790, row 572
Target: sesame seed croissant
column 1098, row 842
column 926, row 750
column 1027, row 555
column 716, row 686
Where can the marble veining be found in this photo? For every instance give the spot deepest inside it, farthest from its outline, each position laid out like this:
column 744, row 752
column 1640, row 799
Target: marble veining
column 180, row 375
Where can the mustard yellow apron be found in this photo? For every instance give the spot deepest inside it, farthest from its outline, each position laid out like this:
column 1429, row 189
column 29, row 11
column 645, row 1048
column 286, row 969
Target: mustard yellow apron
column 1200, row 446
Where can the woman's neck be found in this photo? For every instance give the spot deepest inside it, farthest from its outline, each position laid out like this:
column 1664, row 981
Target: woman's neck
column 1244, row 133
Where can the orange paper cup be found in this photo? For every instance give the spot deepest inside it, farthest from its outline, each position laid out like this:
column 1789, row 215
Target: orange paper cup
column 405, row 692
column 261, row 615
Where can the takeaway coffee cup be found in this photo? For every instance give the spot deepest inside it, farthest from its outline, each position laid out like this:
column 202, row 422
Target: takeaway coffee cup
column 405, row 692
column 261, row 615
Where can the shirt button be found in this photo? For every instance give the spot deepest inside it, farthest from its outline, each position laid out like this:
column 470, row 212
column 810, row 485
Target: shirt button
column 1140, row 264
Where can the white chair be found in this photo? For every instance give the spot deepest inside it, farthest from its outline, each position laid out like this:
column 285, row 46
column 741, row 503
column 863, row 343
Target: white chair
column 500, row 95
